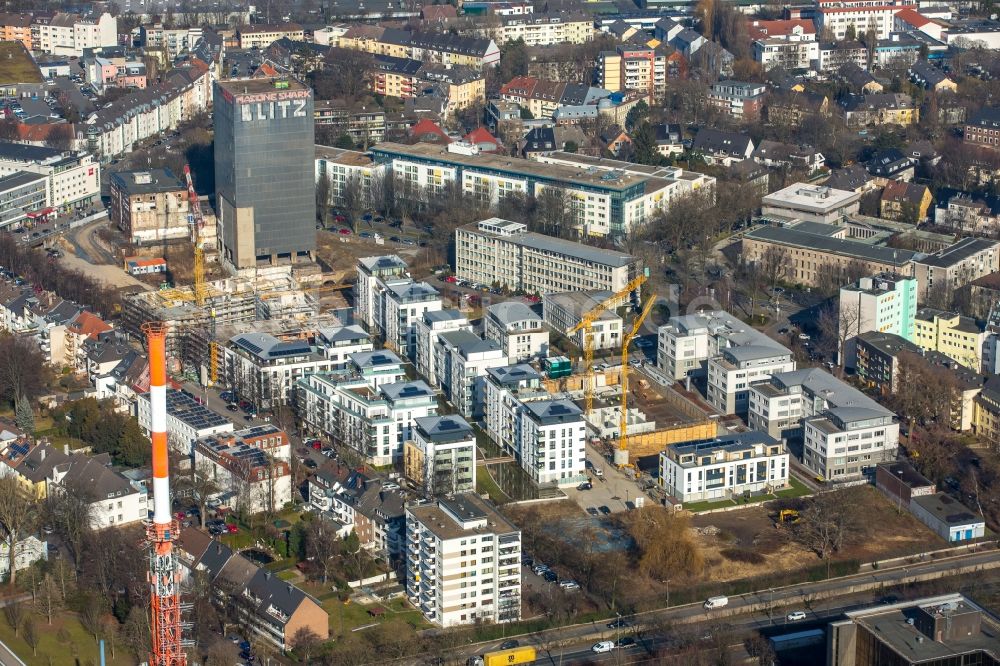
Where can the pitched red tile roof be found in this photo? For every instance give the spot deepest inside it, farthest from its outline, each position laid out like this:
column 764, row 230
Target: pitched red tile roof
column 425, row 127
column 88, row 324
column 481, row 135
column 764, row 29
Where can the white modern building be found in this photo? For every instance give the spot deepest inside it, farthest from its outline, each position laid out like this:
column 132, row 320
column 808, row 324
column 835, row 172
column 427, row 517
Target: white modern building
column 551, row 440
column 374, row 420
column 461, row 359
column 69, row 34
column 497, row 251
column 724, row 468
column 563, row 311
column 885, row 303
column 811, row 203
column 73, row 179
column 262, row 368
column 339, row 343
column 403, row 304
column 861, row 16
column 463, row 562
column 840, row 443
column 427, row 330
column 519, row 330
column 441, row 456
column 507, row 388
column 371, row 271
column 187, row 420
column 737, row 367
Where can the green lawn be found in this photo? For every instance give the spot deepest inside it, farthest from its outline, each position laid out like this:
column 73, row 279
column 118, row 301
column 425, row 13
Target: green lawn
column 345, row 617
column 53, row 649
column 486, row 484
column 797, row 489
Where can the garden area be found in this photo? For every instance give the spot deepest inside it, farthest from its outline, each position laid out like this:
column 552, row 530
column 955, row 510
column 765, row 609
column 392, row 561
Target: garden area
column 796, row 489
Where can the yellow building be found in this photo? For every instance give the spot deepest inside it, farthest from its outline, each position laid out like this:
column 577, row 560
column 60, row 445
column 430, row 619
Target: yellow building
column 262, row 35
column 957, row 337
column 897, row 196
column 986, row 417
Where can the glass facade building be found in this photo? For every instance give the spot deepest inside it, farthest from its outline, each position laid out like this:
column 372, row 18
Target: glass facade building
column 264, row 170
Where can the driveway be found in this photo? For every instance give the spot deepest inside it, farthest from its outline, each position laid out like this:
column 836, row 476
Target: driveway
column 612, row 490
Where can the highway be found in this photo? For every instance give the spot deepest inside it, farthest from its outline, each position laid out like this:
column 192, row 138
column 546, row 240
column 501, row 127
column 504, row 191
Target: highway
column 747, row 611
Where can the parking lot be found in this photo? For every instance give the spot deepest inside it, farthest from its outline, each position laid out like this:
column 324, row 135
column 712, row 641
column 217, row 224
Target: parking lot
column 611, row 489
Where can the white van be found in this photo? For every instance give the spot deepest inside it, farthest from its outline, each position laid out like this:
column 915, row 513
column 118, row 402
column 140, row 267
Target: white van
column 716, row 602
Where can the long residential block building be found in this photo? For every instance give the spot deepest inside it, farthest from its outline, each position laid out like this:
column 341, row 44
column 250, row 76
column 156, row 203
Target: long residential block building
column 956, row 265
column 608, row 199
column 73, row 179
column 497, row 251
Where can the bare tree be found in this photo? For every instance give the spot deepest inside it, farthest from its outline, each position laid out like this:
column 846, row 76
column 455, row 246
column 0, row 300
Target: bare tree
column 48, row 598
column 14, row 613
column 826, row 523
column 17, row 514
column 304, row 642
column 774, row 264
column 202, row 486
column 31, row 635
column 321, row 545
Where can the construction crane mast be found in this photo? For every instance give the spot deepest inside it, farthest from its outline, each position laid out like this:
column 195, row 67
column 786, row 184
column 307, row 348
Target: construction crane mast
column 197, row 223
column 585, row 324
column 621, row 454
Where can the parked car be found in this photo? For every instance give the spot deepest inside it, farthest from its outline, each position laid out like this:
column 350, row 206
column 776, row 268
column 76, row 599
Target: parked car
column 620, row 623
column 310, row 463
column 539, row 568
column 586, row 485
column 604, row 509
column 510, row 645
column 592, row 510
column 550, row 576
column 233, row 407
column 569, row 585
column 232, row 529
column 603, row 647
column 625, row 642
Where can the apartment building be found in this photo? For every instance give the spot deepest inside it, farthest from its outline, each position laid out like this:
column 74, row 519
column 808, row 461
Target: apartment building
column 983, row 129
column 810, row 257
column 496, row 251
column 958, row 337
column 507, row 388
column 173, row 41
column 861, row 16
column 633, row 67
column 747, row 359
column 262, row 35
column 879, row 109
column 730, row 466
column 374, row 420
column 789, row 44
column 542, row 29
column 439, row 48
column 150, row 206
column 811, row 203
column 187, row 420
column 563, row 311
column 607, row 199
column 16, row 28
column 403, row 304
column 739, row 100
column 441, row 456
column 69, row 34
column 73, row 178
column 886, row 303
column 427, row 330
column 403, row 78
column 517, row 329
column 371, row 271
column 955, row 266
column 251, row 467
column 461, row 359
column 550, row 441
column 463, row 562
column 115, row 499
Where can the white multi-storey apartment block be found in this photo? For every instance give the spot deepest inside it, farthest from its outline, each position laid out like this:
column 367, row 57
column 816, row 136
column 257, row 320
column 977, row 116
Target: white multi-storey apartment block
column 563, row 312
column 862, row 16
column 440, row 458
column 69, row 34
column 427, row 330
column 518, row 330
column 463, row 562
column 375, row 422
column 885, row 303
column 497, row 251
column 367, row 290
column 726, row 467
column 507, row 388
column 187, row 420
column 731, row 373
column 403, row 304
column 461, row 359
column 551, row 440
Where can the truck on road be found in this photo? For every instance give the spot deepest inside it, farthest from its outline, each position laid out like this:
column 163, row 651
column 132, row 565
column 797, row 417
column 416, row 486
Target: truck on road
column 514, row 657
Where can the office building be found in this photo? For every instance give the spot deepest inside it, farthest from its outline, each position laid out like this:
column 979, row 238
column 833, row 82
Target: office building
column 496, row 251
column 518, row 330
column 150, row 206
column 811, row 203
column 812, row 253
column 462, row 538
column 563, row 311
column 727, row 467
column 264, row 171
column 440, row 458
column 461, row 360
column 860, row 16
column 23, row 196
column 427, row 330
column 605, row 200
column 944, row 271
column 187, row 420
column 886, row 303
column 74, row 178
column 947, row 629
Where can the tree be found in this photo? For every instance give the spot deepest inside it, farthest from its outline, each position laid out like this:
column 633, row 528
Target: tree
column 202, row 485
column 321, row 545
column 304, row 642
column 644, row 144
column 31, row 635
column 553, row 213
column 838, row 326
column 24, row 416
column 345, row 74
column 14, row 613
column 571, row 147
column 135, row 632
column 323, row 196
column 48, row 598
column 17, row 514
column 70, row 511
column 774, row 264
column 23, row 371
column 636, row 115
column 826, row 523
column 663, row 542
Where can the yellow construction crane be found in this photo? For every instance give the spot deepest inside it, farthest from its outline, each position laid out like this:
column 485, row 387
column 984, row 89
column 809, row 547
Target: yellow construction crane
column 621, row 455
column 585, row 325
column 197, row 222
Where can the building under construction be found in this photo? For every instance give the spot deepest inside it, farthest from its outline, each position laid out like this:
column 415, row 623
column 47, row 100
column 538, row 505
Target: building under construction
column 191, row 327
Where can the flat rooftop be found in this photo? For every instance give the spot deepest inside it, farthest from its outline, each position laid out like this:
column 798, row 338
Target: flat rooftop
column 343, row 156
column 598, row 179
column 558, row 246
column 841, row 246
column 947, row 509
column 16, row 65
column 441, row 522
column 257, row 86
column 813, row 198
